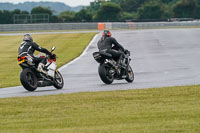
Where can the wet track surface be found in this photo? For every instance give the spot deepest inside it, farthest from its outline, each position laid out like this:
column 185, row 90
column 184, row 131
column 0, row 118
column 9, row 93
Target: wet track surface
column 160, row 58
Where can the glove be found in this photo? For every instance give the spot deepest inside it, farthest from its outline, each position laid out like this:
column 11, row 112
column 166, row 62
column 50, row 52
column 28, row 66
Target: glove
column 127, row 52
column 53, row 56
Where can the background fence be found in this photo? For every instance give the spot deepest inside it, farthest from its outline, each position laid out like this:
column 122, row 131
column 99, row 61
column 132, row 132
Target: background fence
column 95, row 26
column 47, row 26
column 146, row 25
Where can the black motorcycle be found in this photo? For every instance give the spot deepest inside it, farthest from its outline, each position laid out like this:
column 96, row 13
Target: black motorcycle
column 109, row 69
column 31, row 78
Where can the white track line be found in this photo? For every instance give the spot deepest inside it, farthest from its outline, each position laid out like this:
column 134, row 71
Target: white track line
column 77, row 58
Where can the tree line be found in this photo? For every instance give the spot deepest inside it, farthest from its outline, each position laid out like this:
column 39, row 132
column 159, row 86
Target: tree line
column 117, row 10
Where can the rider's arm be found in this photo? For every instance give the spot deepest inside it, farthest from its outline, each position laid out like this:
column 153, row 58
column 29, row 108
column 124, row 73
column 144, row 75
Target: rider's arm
column 114, row 41
column 38, row 48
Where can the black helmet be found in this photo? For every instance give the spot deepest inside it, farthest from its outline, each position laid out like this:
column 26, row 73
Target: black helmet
column 106, row 33
column 27, row 37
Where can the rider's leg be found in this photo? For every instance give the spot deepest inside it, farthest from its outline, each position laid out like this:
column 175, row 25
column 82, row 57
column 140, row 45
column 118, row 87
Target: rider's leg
column 117, row 55
column 41, row 63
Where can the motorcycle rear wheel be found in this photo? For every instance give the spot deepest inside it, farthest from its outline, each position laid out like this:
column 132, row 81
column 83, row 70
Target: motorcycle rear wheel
column 104, row 74
column 58, row 81
column 28, row 79
column 130, row 75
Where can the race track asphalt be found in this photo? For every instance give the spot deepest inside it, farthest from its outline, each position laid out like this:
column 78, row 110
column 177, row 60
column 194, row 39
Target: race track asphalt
column 160, row 58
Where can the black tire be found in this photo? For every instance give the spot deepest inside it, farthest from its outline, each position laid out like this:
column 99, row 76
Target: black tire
column 58, row 80
column 28, row 79
column 103, row 73
column 130, row 75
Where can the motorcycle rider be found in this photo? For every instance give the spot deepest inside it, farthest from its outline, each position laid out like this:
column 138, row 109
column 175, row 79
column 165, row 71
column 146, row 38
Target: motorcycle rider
column 106, row 44
column 28, row 47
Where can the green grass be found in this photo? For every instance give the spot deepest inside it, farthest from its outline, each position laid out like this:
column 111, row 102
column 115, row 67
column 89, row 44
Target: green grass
column 161, row 110
column 68, row 46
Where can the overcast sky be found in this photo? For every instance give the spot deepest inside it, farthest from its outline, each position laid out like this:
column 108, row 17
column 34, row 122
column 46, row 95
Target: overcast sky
column 67, row 2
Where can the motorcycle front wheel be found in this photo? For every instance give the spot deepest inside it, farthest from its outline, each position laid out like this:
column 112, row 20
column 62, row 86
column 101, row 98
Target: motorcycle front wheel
column 58, row 80
column 28, row 79
column 130, row 75
column 104, row 74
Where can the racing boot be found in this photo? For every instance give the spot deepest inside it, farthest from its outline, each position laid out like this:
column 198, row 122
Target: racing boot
column 40, row 68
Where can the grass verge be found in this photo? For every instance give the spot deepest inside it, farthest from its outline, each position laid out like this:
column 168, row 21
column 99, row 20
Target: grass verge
column 68, row 46
column 161, row 110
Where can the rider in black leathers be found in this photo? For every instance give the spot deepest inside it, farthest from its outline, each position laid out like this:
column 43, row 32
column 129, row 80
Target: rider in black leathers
column 106, row 44
column 28, row 47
